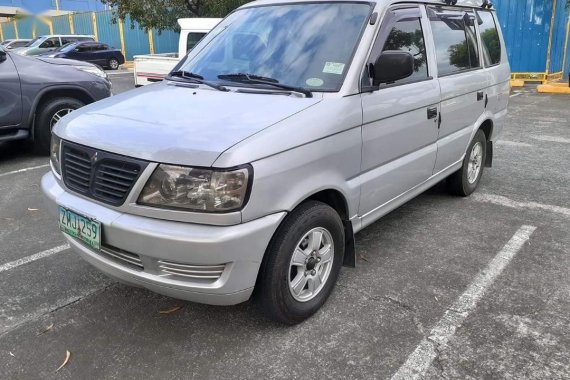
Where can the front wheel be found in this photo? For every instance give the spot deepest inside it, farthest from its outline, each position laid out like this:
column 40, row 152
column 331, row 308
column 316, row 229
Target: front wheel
column 302, row 263
column 465, row 180
column 47, row 116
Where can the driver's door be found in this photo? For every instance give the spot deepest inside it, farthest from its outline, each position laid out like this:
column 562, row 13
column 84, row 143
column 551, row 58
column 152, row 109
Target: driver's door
column 11, row 95
column 400, row 125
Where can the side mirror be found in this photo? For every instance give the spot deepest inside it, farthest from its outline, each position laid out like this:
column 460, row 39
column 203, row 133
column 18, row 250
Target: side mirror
column 391, row 65
column 2, row 56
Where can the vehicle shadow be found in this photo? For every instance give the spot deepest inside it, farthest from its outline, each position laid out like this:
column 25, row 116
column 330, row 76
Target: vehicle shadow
column 19, row 154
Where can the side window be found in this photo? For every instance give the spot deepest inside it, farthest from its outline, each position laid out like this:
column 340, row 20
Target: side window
column 455, row 39
column 50, row 43
column 67, row 40
column 193, row 39
column 407, row 35
column 491, row 43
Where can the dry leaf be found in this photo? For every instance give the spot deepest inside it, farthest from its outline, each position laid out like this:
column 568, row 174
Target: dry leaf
column 33, row 209
column 11, row 354
column 436, row 298
column 45, row 330
column 363, row 258
column 67, row 356
column 171, row 310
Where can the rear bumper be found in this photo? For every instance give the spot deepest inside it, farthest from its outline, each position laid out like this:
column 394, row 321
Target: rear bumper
column 188, row 248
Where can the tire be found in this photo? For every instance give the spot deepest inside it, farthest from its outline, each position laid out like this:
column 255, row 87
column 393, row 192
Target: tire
column 45, row 120
column 273, row 291
column 464, row 182
column 113, row 64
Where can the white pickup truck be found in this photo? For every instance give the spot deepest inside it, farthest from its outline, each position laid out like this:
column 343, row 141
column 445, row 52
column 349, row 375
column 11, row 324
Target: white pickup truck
column 151, row 68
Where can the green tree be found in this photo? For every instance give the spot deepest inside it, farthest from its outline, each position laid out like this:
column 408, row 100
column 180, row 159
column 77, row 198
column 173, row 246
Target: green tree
column 162, row 14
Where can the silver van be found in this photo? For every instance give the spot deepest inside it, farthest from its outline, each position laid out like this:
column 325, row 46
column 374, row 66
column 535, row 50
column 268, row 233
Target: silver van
column 289, row 128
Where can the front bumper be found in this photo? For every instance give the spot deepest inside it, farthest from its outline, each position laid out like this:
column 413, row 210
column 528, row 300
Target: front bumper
column 184, row 247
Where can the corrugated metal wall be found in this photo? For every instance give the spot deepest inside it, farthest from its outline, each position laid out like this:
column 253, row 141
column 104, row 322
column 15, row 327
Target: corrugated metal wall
column 136, row 39
column 61, row 25
column 107, row 31
column 8, row 30
column 166, row 42
column 526, row 29
column 83, row 23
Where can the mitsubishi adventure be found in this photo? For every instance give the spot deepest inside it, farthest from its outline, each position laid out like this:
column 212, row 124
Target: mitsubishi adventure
column 290, row 127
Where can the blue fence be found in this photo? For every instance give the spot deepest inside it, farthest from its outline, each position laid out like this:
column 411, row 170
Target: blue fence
column 117, row 33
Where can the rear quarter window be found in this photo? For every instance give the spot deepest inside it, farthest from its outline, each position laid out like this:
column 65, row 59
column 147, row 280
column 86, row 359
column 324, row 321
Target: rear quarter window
column 455, row 39
column 490, row 41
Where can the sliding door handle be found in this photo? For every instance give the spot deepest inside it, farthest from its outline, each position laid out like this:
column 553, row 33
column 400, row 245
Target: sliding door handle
column 479, row 95
column 432, row 112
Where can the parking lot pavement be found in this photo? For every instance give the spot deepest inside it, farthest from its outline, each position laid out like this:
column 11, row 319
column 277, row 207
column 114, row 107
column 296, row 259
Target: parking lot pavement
column 448, row 287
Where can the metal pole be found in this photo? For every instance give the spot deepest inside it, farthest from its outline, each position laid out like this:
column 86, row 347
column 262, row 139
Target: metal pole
column 549, row 50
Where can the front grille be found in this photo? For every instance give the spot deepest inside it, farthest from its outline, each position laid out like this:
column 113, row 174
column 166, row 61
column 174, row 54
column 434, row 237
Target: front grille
column 201, row 272
column 100, row 175
column 123, row 257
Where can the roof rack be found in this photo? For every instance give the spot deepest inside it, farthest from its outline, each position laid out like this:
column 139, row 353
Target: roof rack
column 485, row 5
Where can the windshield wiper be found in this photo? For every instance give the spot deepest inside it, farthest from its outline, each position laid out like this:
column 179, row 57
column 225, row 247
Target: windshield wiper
column 195, row 78
column 257, row 79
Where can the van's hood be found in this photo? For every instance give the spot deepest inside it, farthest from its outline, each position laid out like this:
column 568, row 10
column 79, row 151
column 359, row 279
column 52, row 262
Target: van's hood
column 176, row 124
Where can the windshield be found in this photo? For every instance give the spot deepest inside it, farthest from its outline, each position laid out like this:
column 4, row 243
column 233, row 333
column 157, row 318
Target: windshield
column 303, row 45
column 35, row 41
column 67, row 47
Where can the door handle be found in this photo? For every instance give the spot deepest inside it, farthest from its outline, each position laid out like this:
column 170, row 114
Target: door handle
column 479, row 95
column 432, row 112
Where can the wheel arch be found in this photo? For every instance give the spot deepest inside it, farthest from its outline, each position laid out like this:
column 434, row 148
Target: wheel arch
column 487, row 128
column 48, row 94
column 335, row 199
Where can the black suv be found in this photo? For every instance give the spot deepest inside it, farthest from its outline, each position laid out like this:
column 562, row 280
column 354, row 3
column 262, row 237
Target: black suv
column 36, row 92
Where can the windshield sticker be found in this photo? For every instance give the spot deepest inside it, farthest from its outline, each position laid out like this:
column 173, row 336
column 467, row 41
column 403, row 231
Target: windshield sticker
column 333, row 68
column 314, row 82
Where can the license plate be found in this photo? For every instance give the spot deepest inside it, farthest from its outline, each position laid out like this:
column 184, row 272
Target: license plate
column 80, row 227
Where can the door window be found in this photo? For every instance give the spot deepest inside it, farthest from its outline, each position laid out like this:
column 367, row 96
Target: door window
column 404, row 34
column 455, row 39
column 50, row 43
column 490, row 41
column 407, row 35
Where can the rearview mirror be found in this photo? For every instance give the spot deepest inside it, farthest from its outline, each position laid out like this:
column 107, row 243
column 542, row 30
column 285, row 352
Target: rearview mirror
column 392, row 65
column 2, row 56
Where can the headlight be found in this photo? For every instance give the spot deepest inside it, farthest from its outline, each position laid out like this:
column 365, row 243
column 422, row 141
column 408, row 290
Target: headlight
column 196, row 189
column 92, row 70
column 54, row 153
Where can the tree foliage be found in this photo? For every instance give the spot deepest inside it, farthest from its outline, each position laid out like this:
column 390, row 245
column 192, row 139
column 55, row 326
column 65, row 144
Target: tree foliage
column 162, row 14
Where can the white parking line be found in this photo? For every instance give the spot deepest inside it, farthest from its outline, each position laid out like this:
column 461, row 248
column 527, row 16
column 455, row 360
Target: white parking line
column 420, row 360
column 34, row 257
column 552, row 139
column 24, row 170
column 513, row 143
column 507, row 202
